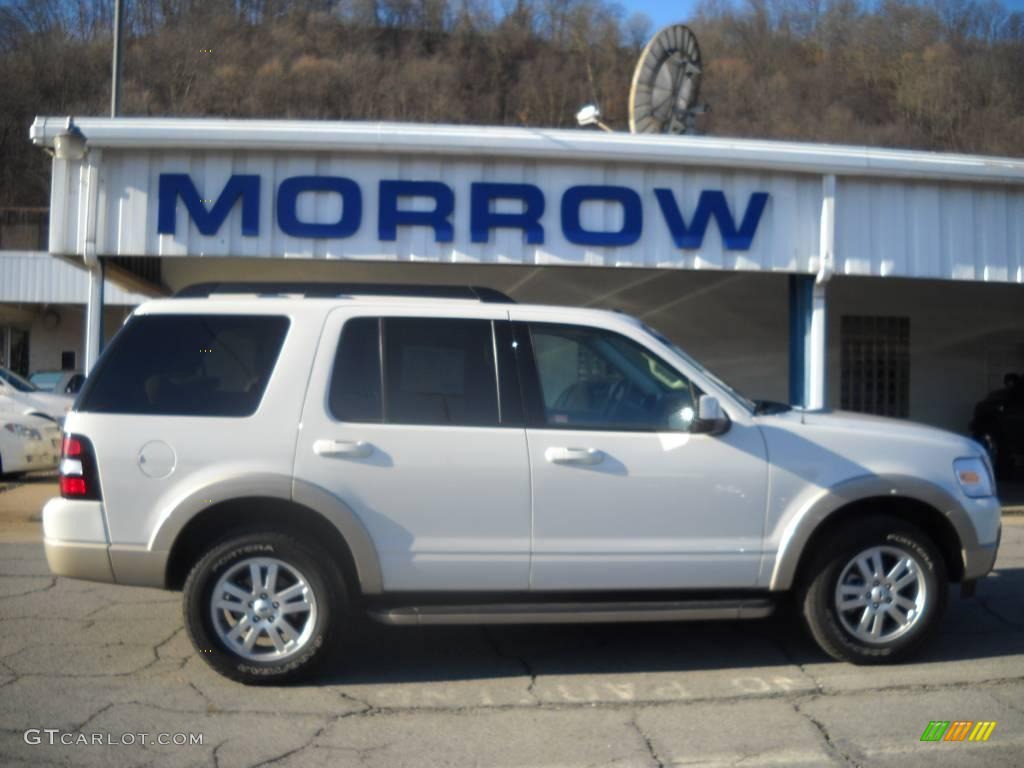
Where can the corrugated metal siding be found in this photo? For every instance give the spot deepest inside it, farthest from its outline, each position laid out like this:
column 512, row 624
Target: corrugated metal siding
column 898, row 228
column 36, row 277
column 896, row 215
column 786, row 240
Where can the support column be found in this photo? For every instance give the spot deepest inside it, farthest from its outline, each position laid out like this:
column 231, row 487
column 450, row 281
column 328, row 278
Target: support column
column 801, row 298
column 817, row 350
column 89, row 192
column 817, row 395
column 808, row 313
column 94, row 317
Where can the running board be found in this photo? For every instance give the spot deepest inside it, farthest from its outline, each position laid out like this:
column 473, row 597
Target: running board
column 575, row 613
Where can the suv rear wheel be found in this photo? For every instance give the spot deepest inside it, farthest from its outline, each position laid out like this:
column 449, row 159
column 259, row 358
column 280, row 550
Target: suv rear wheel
column 876, row 592
column 263, row 607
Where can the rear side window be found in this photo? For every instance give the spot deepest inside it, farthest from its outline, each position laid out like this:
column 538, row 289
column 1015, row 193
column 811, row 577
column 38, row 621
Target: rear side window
column 440, row 372
column 435, row 371
column 187, row 365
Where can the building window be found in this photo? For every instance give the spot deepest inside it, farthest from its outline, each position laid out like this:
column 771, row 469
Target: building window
column 875, row 365
column 14, row 350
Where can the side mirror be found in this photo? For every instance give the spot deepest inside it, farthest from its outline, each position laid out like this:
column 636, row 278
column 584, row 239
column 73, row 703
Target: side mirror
column 711, row 419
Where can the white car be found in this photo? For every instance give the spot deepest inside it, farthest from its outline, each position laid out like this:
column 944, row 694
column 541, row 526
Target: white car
column 291, row 455
column 27, row 444
column 22, row 396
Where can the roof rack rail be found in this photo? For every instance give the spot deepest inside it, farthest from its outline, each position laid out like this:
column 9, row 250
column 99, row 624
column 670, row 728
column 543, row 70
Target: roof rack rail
column 312, row 290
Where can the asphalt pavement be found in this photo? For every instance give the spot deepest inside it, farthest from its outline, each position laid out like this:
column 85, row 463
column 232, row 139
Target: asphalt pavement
column 82, row 662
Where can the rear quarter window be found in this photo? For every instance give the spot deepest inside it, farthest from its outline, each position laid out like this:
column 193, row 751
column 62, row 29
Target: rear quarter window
column 187, row 365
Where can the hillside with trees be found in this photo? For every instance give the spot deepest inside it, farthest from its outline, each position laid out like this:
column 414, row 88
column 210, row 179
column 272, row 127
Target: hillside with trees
column 935, row 74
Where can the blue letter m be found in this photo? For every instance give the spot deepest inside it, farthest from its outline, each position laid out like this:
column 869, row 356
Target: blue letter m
column 712, row 203
column 175, row 185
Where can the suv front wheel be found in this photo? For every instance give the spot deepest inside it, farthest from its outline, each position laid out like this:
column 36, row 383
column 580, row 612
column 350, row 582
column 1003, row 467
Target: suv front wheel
column 263, row 607
column 876, row 592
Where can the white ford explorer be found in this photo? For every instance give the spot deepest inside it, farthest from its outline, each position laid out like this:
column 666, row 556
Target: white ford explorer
column 294, row 455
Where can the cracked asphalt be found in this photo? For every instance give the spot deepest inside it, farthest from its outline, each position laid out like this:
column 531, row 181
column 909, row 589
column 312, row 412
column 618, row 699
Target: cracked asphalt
column 97, row 659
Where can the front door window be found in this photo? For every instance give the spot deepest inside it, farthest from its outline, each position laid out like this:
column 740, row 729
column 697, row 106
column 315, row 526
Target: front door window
column 595, row 379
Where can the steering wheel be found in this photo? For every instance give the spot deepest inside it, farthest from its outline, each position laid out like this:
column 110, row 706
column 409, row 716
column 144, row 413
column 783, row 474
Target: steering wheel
column 615, row 397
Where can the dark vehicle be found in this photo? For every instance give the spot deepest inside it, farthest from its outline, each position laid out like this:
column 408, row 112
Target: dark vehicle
column 998, row 424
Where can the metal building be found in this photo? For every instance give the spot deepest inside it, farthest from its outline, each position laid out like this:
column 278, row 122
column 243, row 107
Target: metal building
column 878, row 280
column 44, row 298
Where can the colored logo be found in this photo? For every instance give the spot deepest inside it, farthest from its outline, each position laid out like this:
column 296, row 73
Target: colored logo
column 958, row 730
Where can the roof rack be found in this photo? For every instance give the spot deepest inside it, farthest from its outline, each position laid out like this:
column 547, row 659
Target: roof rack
column 313, row 290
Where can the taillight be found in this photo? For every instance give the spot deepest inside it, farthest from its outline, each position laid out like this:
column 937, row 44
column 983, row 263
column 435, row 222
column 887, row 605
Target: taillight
column 78, row 476
column 73, row 487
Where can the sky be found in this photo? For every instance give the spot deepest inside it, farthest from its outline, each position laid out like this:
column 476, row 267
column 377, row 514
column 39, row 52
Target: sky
column 664, row 12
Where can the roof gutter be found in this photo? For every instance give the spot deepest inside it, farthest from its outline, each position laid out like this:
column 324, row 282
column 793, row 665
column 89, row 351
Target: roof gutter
column 532, row 144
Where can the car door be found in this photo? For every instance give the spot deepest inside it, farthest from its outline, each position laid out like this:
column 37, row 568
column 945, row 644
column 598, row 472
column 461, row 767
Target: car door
column 405, row 422
column 626, row 494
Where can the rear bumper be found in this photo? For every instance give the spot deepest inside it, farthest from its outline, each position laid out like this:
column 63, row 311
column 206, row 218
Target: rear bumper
column 78, row 560
column 75, row 540
column 77, row 546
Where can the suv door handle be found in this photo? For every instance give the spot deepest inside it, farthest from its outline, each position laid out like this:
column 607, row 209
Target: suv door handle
column 342, row 449
column 573, row 455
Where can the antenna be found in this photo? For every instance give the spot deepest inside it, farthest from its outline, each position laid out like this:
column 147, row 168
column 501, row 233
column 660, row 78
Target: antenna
column 666, row 84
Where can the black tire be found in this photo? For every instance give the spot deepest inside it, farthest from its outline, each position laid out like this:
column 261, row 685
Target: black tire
column 817, row 595
column 321, row 575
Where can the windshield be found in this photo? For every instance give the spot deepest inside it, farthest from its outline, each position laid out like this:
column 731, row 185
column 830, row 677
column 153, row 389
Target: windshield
column 750, row 405
column 46, row 380
column 20, row 384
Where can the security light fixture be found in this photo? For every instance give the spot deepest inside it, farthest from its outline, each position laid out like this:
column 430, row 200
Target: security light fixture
column 70, row 143
column 590, row 114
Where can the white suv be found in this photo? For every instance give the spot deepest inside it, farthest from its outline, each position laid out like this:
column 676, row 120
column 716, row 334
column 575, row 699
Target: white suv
column 293, row 456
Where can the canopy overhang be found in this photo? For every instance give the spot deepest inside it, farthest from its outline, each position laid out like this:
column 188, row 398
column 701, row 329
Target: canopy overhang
column 482, row 195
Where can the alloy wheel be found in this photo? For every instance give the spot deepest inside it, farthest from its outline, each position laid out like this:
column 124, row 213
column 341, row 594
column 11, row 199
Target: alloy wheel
column 881, row 594
column 263, row 609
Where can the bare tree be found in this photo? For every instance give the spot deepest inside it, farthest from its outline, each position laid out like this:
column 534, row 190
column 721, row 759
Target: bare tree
column 935, row 74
